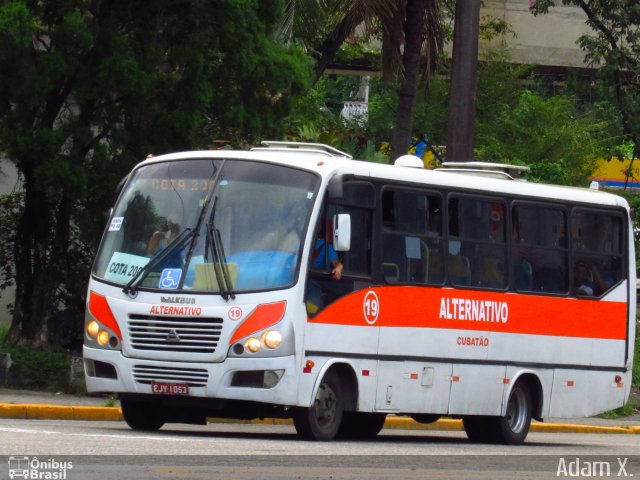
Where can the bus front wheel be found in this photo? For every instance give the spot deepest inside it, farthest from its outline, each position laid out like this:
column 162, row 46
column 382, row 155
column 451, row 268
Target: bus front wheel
column 321, row 421
column 142, row 415
column 361, row 425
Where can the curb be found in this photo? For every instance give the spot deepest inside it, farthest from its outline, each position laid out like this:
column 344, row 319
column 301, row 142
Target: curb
column 63, row 412
column 58, row 412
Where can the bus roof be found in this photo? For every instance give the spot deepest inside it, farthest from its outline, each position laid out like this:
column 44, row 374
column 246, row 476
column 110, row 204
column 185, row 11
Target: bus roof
column 328, row 163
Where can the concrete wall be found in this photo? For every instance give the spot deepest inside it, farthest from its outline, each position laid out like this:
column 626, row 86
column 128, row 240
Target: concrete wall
column 547, row 40
column 8, row 181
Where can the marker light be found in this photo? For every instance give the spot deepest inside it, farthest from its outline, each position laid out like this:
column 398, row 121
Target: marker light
column 308, row 366
column 272, row 339
column 103, row 337
column 252, row 345
column 93, row 328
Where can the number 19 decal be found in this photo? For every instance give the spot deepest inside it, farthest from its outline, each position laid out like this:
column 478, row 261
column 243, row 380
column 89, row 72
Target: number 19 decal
column 371, row 307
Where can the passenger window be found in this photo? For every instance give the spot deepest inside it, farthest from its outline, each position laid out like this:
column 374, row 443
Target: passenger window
column 412, row 245
column 477, row 253
column 540, row 253
column 598, row 241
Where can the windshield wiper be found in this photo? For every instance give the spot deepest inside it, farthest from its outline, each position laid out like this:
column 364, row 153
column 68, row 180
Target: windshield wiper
column 220, row 266
column 131, row 288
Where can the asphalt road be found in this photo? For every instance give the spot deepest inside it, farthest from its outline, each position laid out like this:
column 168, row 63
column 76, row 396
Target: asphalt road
column 99, row 450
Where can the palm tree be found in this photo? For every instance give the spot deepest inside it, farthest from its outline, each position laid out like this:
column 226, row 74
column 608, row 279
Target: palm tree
column 412, row 44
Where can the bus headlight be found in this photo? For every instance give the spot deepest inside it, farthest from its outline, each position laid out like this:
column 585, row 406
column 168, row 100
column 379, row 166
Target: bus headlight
column 252, row 345
column 97, row 333
column 92, row 329
column 272, row 339
column 103, row 338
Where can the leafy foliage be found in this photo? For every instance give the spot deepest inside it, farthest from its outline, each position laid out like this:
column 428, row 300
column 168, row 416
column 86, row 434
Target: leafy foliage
column 613, row 48
column 548, row 134
column 90, row 88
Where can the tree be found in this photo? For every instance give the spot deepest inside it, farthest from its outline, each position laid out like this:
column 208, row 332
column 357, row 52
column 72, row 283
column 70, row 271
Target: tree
column 613, row 48
column 552, row 135
column 88, row 89
column 462, row 93
column 415, row 35
column 412, row 41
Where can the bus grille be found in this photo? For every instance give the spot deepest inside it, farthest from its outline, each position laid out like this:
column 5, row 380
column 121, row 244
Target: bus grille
column 195, row 377
column 189, row 334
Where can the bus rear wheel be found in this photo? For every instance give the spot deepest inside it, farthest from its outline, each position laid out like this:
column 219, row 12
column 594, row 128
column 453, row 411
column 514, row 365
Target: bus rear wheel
column 321, row 421
column 142, row 415
column 511, row 428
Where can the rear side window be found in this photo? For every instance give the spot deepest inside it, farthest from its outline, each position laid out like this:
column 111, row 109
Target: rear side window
column 598, row 243
column 540, row 249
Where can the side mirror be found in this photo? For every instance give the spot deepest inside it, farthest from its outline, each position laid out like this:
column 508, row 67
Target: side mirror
column 342, row 232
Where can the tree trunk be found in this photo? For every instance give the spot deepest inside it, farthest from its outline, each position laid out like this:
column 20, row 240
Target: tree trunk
column 462, row 93
column 332, row 44
column 414, row 37
column 35, row 285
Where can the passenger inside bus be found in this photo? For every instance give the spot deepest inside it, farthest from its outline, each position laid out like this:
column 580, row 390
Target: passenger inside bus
column 324, row 256
column 588, row 280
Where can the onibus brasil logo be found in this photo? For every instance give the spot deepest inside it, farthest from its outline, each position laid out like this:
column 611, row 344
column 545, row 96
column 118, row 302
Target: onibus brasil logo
column 40, row 469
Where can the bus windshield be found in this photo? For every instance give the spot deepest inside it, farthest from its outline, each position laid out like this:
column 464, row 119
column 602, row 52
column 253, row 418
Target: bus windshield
column 221, row 226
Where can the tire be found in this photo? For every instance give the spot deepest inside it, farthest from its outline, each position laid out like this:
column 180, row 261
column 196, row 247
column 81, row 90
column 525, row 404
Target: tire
column 513, row 427
column 510, row 429
column 479, row 429
column 321, row 421
column 142, row 415
column 360, row 425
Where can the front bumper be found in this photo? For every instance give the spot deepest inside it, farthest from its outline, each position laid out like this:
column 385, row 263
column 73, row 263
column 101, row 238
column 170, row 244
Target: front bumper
column 110, row 371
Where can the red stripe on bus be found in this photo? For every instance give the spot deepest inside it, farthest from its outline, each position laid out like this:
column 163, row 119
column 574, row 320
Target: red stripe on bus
column 428, row 307
column 265, row 315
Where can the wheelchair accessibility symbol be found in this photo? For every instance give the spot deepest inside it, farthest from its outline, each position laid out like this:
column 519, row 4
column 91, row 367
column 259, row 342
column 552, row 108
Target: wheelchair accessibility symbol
column 170, row 278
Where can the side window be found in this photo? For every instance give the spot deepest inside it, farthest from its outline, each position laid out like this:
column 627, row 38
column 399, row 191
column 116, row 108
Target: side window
column 477, row 249
column 324, row 285
column 357, row 261
column 597, row 239
column 412, row 245
column 540, row 249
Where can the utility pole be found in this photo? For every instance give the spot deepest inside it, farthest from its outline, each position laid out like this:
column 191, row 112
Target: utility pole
column 464, row 72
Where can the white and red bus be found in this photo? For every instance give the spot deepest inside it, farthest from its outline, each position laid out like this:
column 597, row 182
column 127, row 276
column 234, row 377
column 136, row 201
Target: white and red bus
column 487, row 299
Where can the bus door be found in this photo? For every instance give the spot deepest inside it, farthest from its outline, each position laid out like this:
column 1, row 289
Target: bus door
column 339, row 282
column 413, row 261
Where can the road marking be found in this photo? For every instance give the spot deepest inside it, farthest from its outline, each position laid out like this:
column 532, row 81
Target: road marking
column 108, row 435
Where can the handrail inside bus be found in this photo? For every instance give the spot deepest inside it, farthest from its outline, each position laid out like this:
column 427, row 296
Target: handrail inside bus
column 302, row 146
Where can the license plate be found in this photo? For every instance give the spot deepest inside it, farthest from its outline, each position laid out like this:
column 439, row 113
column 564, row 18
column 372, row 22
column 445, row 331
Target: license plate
column 166, row 388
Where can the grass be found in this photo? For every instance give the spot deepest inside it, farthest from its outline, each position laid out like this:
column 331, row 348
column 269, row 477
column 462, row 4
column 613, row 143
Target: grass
column 636, row 360
column 633, row 405
column 4, row 333
column 37, row 369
